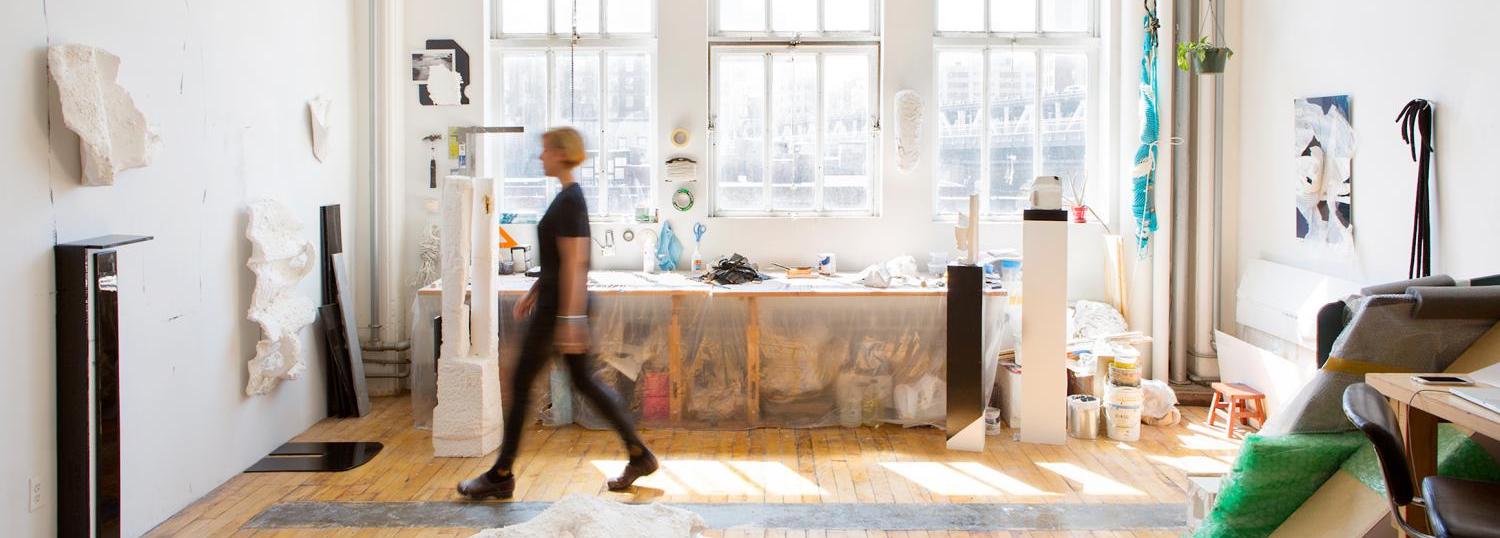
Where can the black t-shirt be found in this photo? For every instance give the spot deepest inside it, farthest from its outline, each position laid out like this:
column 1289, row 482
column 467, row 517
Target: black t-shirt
column 568, row 216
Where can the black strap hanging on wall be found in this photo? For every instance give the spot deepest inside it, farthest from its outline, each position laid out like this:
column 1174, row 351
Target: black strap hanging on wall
column 1416, row 121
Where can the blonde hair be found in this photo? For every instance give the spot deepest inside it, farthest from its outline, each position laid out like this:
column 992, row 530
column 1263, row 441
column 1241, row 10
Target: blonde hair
column 569, row 141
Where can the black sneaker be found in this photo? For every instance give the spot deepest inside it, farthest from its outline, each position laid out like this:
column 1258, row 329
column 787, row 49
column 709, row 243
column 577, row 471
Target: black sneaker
column 482, row 487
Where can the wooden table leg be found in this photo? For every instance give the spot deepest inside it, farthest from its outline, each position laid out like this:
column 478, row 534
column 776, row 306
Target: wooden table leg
column 676, row 374
column 1421, row 451
column 752, row 362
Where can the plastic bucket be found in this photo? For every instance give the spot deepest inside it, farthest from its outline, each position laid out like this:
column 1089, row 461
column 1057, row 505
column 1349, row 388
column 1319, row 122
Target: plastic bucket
column 1083, row 416
column 1124, row 422
column 1124, row 396
column 1126, row 377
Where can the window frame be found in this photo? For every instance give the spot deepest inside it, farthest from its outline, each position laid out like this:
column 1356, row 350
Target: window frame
column 1092, row 32
column 772, row 36
column 497, row 10
column 1039, row 43
column 874, row 158
column 555, row 51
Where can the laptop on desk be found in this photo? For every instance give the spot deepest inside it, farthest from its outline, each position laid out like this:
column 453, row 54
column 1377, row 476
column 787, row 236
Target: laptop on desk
column 1486, row 397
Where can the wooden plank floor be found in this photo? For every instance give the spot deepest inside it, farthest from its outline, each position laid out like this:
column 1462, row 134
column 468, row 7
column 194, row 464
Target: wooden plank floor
column 865, row 465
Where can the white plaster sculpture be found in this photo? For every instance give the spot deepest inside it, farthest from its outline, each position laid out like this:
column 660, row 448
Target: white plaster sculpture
column 280, row 257
column 581, row 516
column 466, row 421
column 909, row 107
column 317, row 114
column 112, row 132
column 966, row 233
column 444, row 85
column 428, row 263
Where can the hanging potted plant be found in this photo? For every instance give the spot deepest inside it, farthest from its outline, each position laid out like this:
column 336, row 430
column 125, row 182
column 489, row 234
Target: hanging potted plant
column 1202, row 56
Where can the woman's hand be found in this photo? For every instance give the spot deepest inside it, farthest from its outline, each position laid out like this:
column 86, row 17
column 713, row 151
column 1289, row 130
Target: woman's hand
column 524, row 306
column 572, row 336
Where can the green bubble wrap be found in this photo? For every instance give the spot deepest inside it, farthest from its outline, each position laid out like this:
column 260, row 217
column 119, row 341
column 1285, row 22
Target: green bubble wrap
column 1272, row 477
column 1458, row 457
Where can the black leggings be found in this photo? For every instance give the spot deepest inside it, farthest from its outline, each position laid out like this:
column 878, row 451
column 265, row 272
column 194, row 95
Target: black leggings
column 535, row 353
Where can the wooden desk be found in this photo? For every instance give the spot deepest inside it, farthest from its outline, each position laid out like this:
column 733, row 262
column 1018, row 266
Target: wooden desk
column 1420, row 408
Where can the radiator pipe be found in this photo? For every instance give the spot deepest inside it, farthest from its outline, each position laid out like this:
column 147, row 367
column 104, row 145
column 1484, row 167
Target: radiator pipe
column 377, row 345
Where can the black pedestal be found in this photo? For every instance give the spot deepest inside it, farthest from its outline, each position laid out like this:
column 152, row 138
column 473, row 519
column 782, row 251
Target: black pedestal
column 965, row 325
column 88, row 386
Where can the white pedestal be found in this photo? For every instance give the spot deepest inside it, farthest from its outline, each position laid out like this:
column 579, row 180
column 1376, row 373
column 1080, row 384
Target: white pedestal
column 466, row 422
column 1044, row 324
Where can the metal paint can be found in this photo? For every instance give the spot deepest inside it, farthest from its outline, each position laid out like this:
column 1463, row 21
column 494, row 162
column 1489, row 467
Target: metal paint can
column 827, row 263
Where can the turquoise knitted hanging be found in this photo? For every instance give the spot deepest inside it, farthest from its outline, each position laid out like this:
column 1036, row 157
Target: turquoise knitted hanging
column 1144, row 180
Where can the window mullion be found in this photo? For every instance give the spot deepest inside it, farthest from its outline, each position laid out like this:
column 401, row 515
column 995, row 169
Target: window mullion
column 822, row 19
column 603, row 170
column 820, row 136
column 554, row 112
column 503, row 200
column 987, row 185
column 766, row 134
column 767, row 27
column 603, row 19
column 1037, row 12
column 1038, row 167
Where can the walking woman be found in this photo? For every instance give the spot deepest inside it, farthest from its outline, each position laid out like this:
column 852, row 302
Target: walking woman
column 557, row 306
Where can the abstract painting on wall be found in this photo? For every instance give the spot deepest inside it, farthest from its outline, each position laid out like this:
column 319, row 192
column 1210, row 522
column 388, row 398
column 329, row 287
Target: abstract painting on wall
column 1325, row 145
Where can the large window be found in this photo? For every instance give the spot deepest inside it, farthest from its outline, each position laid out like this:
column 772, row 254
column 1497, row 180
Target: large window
column 604, row 89
column 795, row 123
column 1014, row 81
column 810, row 18
column 535, row 18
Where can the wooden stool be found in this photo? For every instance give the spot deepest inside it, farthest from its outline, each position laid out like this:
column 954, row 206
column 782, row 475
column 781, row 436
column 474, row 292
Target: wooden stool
column 1234, row 400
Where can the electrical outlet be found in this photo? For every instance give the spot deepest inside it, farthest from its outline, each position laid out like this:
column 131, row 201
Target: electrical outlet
column 36, row 495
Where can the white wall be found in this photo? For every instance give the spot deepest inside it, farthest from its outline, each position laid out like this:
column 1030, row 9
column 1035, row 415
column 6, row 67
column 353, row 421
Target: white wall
column 226, row 86
column 1381, row 53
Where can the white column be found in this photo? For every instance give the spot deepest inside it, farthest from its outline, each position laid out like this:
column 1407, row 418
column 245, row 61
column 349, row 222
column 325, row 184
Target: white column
column 1044, row 325
column 483, row 301
column 457, row 213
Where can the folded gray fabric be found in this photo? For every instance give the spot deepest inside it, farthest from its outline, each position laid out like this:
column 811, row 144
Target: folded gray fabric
column 1393, row 288
column 1381, row 337
column 1481, row 302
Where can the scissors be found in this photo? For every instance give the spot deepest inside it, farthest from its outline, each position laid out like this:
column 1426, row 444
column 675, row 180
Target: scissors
column 698, row 230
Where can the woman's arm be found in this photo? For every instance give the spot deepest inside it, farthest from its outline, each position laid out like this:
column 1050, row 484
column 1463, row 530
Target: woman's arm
column 572, row 312
column 526, row 303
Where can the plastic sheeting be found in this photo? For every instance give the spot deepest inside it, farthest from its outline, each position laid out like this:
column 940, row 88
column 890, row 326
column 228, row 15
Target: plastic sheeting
column 830, row 354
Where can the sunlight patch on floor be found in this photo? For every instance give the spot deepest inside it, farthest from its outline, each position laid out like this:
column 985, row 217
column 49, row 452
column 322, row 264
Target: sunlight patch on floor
column 775, row 478
column 1205, row 442
column 1093, row 483
column 1194, row 464
column 997, row 479
column 708, row 477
